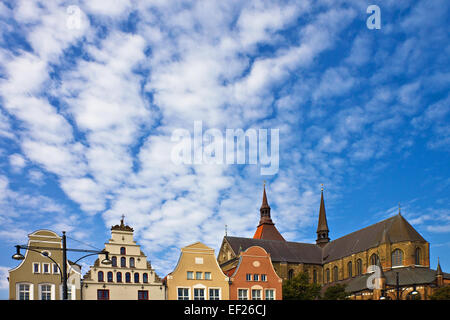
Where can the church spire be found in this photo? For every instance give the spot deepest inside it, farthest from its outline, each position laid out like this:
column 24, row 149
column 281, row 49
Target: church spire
column 266, row 228
column 322, row 227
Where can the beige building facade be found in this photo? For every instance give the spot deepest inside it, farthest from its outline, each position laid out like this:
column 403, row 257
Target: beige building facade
column 129, row 277
column 38, row 276
column 197, row 276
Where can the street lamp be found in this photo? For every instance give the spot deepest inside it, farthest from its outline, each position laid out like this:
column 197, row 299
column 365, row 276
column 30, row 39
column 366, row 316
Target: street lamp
column 64, row 249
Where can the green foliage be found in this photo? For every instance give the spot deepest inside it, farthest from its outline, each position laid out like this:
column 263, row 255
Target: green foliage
column 336, row 292
column 441, row 294
column 299, row 288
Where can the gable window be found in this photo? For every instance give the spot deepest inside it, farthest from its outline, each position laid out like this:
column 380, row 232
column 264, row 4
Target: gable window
column 183, row 294
column 46, row 267
column 199, row 294
column 55, row 268
column 207, row 275
column 256, row 277
column 397, row 258
column 123, row 251
column 242, row 294
column 119, row 276
column 136, row 277
column 110, row 276
column 145, row 278
column 100, row 276
column 190, row 275
column 127, row 277
column 198, row 275
column 131, row 262
column 248, row 277
column 123, row 262
column 264, row 277
column 114, row 261
column 214, row 294
column 36, row 267
column 270, row 294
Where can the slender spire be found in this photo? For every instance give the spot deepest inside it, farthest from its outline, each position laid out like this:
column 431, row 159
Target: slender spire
column 322, row 227
column 266, row 228
column 399, row 209
column 265, row 209
column 439, row 269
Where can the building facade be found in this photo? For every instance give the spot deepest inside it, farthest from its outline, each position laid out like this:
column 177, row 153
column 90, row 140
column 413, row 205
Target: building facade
column 39, row 276
column 254, row 277
column 197, row 276
column 129, row 277
column 393, row 244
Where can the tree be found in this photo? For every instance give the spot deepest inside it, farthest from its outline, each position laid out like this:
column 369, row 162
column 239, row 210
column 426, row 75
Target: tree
column 441, row 294
column 299, row 288
column 336, row 292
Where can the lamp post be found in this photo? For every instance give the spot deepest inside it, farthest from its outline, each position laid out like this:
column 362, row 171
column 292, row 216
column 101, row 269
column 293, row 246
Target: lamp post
column 397, row 289
column 64, row 249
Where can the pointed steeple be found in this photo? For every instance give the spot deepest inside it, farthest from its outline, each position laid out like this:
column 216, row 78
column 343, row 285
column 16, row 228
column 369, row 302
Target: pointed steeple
column 439, row 269
column 322, row 226
column 266, row 228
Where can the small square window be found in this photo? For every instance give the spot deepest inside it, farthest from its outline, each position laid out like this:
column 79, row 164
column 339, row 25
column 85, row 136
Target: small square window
column 198, row 275
column 36, row 268
column 256, row 277
column 207, row 275
column 190, row 275
column 248, row 277
column 264, row 277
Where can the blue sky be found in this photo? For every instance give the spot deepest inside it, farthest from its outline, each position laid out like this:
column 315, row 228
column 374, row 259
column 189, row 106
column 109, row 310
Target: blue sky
column 87, row 110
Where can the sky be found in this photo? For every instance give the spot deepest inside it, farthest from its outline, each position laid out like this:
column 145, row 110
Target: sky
column 91, row 93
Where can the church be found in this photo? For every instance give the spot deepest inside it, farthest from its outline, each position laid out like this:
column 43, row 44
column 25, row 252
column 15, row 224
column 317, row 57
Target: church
column 400, row 252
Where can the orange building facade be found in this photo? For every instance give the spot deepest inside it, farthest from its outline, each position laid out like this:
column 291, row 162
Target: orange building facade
column 254, row 277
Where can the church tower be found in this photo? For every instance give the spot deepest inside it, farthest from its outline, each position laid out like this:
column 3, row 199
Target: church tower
column 266, row 228
column 322, row 227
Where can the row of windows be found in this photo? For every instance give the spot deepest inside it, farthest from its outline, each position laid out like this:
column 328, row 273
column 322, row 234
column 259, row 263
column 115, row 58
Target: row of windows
column 103, row 294
column 119, row 279
column 46, row 291
column 45, row 268
column 198, row 275
column 123, row 262
column 199, row 294
column 269, row 294
column 256, row 277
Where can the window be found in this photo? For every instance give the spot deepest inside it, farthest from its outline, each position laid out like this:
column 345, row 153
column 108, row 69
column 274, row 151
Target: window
column 110, row 276
column 123, row 250
column 207, row 275
column 119, row 276
column 270, row 294
column 136, row 277
column 248, row 277
column 127, row 277
column 290, row 274
column 145, row 278
column 36, row 267
column 242, row 294
column 183, row 294
column 327, row 276
column 24, row 291
column 349, row 269
column 198, row 275
column 123, row 262
column 100, row 276
column 131, row 262
column 397, row 258
column 46, row 291
column 315, row 276
column 46, row 267
column 114, row 261
column 335, row 274
column 55, row 268
column 358, row 267
column 256, row 294
column 418, row 256
column 214, row 294
column 142, row 295
column 69, row 292
column 190, row 275
column 256, row 277
column 199, row 294
column 374, row 260
column 102, row 294
column 264, row 277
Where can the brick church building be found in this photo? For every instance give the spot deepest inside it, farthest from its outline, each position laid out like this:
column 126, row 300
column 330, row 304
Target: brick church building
column 400, row 252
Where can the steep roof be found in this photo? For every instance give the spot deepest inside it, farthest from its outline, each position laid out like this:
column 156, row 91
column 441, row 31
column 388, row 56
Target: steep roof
column 394, row 229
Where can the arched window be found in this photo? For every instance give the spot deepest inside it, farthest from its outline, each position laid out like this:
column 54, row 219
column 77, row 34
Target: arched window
column 123, row 262
column 315, row 276
column 418, row 256
column 349, row 269
column 397, row 258
column 335, row 274
column 131, row 262
column 119, row 276
column 123, row 250
column 358, row 267
column 136, row 278
column 100, row 276
column 328, row 276
column 127, row 277
column 290, row 274
column 145, row 278
column 110, row 276
column 114, row 261
column 374, row 260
